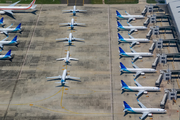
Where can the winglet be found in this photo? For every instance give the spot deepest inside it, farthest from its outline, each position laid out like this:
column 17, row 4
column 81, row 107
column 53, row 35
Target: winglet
column 137, row 100
column 8, row 53
column 117, row 13
column 134, row 79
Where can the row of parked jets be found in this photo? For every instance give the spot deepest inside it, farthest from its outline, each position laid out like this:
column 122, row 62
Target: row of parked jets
column 70, row 42
column 14, row 42
column 139, row 71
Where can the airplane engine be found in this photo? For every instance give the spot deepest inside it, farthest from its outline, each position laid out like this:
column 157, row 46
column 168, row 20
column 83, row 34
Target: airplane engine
column 137, row 43
column 134, row 18
column 142, row 73
column 150, row 115
column 2, row 12
column 145, row 92
column 136, row 30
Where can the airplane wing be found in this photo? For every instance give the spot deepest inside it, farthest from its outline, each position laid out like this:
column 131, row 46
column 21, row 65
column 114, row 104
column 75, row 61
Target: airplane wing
column 8, row 11
column 59, row 59
column 130, row 19
column 144, row 115
column 10, row 26
column 127, row 13
column 67, row 10
column 142, row 106
column 132, row 30
column 133, row 43
column 129, row 24
column 79, row 24
column 5, row 32
column 54, row 77
column 81, row 10
column 62, row 39
column 132, row 50
column 136, row 57
column 4, row 39
column 130, row 36
column 135, row 66
column 77, row 39
column 72, row 77
column 73, row 59
column 64, row 23
column 137, row 74
column 14, row 3
column 139, row 93
column 139, row 85
column 1, row 46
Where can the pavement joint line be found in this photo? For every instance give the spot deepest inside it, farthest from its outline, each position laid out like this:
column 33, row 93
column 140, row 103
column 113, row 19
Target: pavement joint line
column 22, row 66
column 110, row 66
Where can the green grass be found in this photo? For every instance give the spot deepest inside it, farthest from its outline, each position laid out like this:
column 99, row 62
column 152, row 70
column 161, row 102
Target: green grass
column 96, row 1
column 151, row 1
column 121, row 1
column 29, row 1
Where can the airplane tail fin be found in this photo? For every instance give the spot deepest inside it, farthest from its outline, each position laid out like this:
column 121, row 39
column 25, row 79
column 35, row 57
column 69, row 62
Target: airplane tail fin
column 119, row 24
column 123, row 84
column 122, row 66
column 8, row 53
column 119, row 36
column 121, row 50
column 15, row 38
column 117, row 13
column 1, row 21
column 19, row 26
column 31, row 5
column 126, row 106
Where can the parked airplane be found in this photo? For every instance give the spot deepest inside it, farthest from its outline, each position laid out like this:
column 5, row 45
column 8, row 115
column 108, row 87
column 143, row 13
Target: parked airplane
column 143, row 110
column 8, row 29
column 72, row 24
column 7, row 56
column 14, row 41
column 140, row 89
column 136, row 69
column 70, row 39
column 63, row 78
column 130, row 28
column 9, row 9
column 128, row 16
column 134, row 54
column 131, row 40
column 74, row 10
column 67, row 58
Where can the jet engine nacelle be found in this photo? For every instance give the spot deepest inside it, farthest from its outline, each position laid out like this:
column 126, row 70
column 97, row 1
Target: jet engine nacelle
column 137, row 43
column 145, row 92
column 2, row 12
column 134, row 18
column 142, row 73
column 136, row 30
column 150, row 115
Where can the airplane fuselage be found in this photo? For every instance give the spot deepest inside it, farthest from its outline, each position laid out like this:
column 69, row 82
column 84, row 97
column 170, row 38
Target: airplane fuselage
column 132, row 27
column 6, row 57
column 130, row 16
column 149, row 110
column 134, row 54
column 134, row 70
column 132, row 40
column 9, row 30
column 136, row 89
column 67, row 57
column 8, row 42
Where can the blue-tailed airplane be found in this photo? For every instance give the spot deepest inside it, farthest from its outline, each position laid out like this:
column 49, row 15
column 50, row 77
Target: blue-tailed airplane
column 136, row 69
column 7, row 56
column 74, row 11
column 72, row 24
column 132, row 40
column 13, row 42
column 143, row 110
column 136, row 55
column 8, row 29
column 128, row 16
column 138, row 88
column 130, row 28
column 63, row 78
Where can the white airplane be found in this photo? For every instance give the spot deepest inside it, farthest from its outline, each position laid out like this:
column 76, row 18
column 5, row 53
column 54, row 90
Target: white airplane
column 63, row 78
column 130, row 28
column 70, row 39
column 139, row 88
column 72, row 24
column 131, row 40
column 13, row 42
column 7, row 56
column 143, row 110
column 9, row 9
column 67, row 58
column 134, row 54
column 8, row 29
column 136, row 69
column 128, row 16
column 74, row 10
